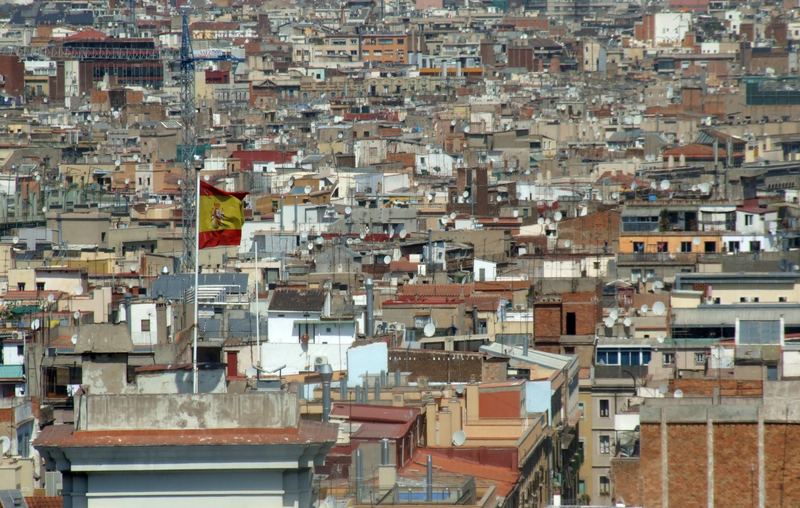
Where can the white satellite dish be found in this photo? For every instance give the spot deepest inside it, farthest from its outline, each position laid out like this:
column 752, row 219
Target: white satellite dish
column 310, row 246
column 515, row 213
column 387, row 259
column 540, row 221
column 319, row 240
column 362, row 235
column 403, row 234
column 391, row 234
column 15, row 240
column 653, row 184
column 678, row 394
column 5, row 444
column 430, row 196
column 659, row 308
column 76, row 315
column 36, row 324
column 74, row 339
column 609, row 322
column 614, row 314
column 429, row 330
column 696, row 240
column 547, row 221
column 627, row 322
column 567, row 243
column 644, row 308
column 658, row 284
column 307, row 189
column 51, row 298
column 460, row 200
column 465, row 194
column 661, row 338
column 459, row 438
column 664, row 185
column 348, row 210
column 349, row 241
column 453, row 215
column 558, row 216
column 634, row 186
column 695, row 188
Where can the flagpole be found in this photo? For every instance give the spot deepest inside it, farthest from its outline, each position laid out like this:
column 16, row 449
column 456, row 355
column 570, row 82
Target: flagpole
column 258, row 315
column 195, row 380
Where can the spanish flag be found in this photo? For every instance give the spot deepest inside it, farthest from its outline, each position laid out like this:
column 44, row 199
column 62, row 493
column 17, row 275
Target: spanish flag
column 221, row 217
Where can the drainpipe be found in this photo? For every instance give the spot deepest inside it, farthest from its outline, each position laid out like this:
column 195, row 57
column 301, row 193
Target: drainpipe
column 429, row 480
column 369, row 319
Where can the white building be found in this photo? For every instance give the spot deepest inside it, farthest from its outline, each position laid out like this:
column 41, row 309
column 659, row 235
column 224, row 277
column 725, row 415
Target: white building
column 436, row 163
column 671, row 27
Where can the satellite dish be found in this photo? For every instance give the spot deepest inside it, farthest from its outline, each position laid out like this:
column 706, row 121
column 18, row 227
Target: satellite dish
column 653, row 185
column 429, row 330
column 362, row 235
column 659, row 308
column 443, row 220
column 658, row 285
column 307, row 189
column 547, row 221
column 15, row 240
column 460, row 200
column 634, row 186
column 515, row 213
column 348, row 210
column 540, row 221
column 696, row 240
column 403, row 234
column 36, row 324
column 310, row 246
column 51, row 298
column 430, row 196
column 349, row 241
column 567, row 243
column 74, row 339
column 303, row 236
column 678, row 394
column 5, row 444
column 319, row 240
column 558, row 216
column 387, row 259
column 614, row 314
column 609, row 322
column 459, row 438
column 644, row 308
column 664, row 185
column 627, row 322
column 615, row 195
column 465, row 194
column 695, row 188
column 453, row 215
column 164, row 270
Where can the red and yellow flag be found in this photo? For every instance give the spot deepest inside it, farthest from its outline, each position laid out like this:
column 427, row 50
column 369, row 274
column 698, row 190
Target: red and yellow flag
column 221, row 217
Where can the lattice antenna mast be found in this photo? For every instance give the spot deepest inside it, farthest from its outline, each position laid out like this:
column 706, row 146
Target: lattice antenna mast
column 188, row 117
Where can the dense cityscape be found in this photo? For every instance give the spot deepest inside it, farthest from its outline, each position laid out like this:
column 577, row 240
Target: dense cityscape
column 348, row 253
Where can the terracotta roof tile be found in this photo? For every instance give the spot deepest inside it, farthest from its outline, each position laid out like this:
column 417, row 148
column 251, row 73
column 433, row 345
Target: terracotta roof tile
column 44, row 502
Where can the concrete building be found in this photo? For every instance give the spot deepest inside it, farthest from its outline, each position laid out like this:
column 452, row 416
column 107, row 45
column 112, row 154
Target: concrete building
column 187, row 450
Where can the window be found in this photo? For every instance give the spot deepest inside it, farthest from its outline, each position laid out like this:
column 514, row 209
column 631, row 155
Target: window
column 668, row 358
column 20, row 286
column 40, row 286
column 605, row 486
column 748, row 220
column 636, row 274
column 699, row 358
column 604, row 408
column 711, row 247
column 607, row 357
column 733, row 246
column 650, row 274
column 755, row 246
column 582, row 409
column 662, row 247
column 782, row 299
column 20, row 350
column 686, row 246
column 638, row 247
column 145, row 325
column 605, row 444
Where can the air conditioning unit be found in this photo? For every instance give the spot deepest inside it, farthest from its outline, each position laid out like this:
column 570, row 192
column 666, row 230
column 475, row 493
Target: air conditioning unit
column 320, row 360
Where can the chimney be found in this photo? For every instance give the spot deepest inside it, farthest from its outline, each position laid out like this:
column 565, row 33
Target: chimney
column 326, row 373
column 369, row 323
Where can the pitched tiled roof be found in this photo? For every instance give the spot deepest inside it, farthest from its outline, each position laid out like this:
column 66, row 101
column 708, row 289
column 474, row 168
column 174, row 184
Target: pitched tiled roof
column 372, row 413
column 297, row 300
column 44, row 502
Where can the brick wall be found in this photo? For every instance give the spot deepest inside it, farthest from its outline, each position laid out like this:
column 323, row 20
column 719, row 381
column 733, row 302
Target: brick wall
column 437, row 366
column 626, row 479
column 727, row 387
column 736, row 464
column 782, row 464
column 687, row 458
column 586, row 309
column 547, row 320
column 650, row 453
